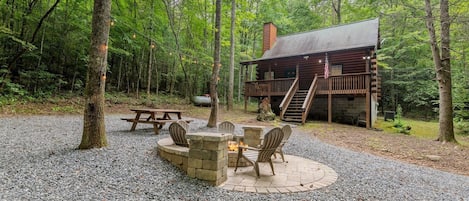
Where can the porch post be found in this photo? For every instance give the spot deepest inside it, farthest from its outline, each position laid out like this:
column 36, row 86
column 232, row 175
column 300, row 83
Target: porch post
column 368, row 95
column 368, row 101
column 329, row 102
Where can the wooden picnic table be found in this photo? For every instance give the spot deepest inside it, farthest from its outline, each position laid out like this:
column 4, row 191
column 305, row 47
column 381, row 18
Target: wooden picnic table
column 158, row 122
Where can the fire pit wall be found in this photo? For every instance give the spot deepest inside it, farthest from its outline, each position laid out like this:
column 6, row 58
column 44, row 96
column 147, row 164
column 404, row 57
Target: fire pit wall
column 206, row 158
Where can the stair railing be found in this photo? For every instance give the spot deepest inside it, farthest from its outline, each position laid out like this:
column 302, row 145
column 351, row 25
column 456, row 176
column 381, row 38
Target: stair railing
column 288, row 97
column 309, row 99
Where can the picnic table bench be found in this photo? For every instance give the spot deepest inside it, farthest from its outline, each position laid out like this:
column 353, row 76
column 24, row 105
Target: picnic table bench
column 158, row 122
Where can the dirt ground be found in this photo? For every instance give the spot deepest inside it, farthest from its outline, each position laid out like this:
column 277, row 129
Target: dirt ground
column 447, row 157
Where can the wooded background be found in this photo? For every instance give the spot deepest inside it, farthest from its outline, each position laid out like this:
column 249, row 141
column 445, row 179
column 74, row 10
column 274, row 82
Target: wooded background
column 166, row 46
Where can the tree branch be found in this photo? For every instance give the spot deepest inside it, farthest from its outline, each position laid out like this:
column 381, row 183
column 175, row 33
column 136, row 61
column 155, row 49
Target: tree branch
column 18, row 55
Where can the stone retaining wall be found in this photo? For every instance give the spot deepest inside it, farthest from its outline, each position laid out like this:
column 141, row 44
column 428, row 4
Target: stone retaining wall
column 176, row 155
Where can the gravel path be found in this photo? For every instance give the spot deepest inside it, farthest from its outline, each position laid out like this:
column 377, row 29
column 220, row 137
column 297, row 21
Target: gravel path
column 38, row 161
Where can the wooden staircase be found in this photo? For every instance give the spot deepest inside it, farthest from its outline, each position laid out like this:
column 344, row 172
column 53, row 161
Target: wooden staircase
column 294, row 110
column 297, row 103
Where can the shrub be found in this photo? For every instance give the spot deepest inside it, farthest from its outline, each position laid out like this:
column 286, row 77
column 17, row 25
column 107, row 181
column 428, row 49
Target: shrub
column 462, row 126
column 399, row 124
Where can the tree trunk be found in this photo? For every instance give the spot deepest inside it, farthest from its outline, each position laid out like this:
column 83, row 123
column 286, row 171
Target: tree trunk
column 442, row 68
column 178, row 45
column 212, row 121
column 337, row 10
column 232, row 54
column 119, row 74
column 94, row 130
column 157, row 80
column 150, row 54
column 139, row 74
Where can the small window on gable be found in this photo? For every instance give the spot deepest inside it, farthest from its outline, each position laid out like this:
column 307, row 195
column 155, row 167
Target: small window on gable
column 336, row 69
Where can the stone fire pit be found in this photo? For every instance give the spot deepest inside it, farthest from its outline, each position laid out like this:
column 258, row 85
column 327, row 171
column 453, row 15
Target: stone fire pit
column 233, row 155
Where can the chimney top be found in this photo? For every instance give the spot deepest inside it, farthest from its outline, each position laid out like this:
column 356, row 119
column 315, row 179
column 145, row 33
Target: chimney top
column 269, row 36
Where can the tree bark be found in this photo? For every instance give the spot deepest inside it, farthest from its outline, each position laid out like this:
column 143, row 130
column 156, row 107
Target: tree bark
column 337, row 10
column 232, row 54
column 94, row 130
column 150, row 54
column 442, row 68
column 212, row 121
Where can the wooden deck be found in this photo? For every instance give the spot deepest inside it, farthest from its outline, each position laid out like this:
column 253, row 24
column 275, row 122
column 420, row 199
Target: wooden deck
column 340, row 84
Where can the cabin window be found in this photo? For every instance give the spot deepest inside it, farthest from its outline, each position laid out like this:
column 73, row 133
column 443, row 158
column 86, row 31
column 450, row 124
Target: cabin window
column 290, row 73
column 268, row 75
column 336, row 69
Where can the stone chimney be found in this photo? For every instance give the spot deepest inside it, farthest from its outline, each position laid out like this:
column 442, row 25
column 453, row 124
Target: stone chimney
column 270, row 36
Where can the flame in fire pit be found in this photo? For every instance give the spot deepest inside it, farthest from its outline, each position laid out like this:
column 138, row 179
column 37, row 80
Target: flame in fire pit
column 233, row 146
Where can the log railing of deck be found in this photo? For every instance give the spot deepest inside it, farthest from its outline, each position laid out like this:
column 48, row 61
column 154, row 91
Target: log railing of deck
column 275, row 87
column 288, row 97
column 340, row 84
column 344, row 84
column 309, row 98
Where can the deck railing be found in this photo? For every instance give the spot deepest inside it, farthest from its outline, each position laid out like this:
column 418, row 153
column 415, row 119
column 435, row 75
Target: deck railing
column 309, row 99
column 288, row 97
column 339, row 84
column 277, row 87
column 344, row 84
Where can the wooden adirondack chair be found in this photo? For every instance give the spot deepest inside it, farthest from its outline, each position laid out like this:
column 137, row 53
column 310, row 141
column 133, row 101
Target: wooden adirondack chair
column 178, row 134
column 227, row 127
column 286, row 134
column 263, row 154
column 361, row 118
column 184, row 124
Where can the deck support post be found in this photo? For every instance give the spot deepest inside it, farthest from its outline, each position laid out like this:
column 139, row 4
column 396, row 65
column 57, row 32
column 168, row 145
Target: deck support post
column 329, row 102
column 368, row 102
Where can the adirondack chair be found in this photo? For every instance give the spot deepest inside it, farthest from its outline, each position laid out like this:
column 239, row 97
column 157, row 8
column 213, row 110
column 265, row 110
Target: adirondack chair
column 361, row 118
column 227, row 127
column 184, row 124
column 263, row 154
column 178, row 134
column 286, row 134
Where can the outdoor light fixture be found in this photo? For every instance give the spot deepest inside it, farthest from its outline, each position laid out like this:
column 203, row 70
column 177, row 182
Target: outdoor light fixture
column 320, row 61
column 366, row 57
column 306, row 57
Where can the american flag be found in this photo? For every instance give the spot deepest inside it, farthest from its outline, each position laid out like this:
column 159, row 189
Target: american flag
column 326, row 68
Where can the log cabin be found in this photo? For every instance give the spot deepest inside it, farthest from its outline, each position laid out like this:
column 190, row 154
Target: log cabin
column 327, row 74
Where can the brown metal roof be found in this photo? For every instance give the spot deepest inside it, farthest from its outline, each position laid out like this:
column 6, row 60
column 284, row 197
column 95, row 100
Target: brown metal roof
column 350, row 36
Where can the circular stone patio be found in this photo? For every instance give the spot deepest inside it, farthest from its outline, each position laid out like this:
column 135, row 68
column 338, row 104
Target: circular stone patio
column 296, row 174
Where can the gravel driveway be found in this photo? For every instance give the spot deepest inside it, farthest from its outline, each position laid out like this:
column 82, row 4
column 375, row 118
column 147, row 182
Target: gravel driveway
column 39, row 161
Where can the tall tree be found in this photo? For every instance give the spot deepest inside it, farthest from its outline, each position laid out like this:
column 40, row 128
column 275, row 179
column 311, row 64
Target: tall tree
column 11, row 65
column 212, row 121
column 442, row 68
column 232, row 55
column 336, row 7
column 94, row 131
